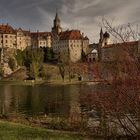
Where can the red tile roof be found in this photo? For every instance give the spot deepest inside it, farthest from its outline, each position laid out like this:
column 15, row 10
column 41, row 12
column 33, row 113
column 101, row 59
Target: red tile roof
column 40, row 34
column 7, row 29
column 124, row 44
column 72, row 35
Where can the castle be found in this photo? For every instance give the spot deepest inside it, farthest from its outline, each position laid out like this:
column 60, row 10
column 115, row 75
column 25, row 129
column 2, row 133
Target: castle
column 106, row 51
column 71, row 42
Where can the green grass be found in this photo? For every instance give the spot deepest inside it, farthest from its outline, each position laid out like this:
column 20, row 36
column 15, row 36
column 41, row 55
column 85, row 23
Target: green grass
column 12, row 131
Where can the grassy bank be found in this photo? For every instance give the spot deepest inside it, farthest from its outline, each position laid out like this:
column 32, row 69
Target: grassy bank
column 43, row 82
column 12, row 131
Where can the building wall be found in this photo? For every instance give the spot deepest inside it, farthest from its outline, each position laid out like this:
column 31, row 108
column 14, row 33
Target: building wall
column 42, row 41
column 92, row 56
column 49, row 41
column 139, row 47
column 23, row 40
column 108, row 54
column 8, row 40
column 28, row 41
column 73, row 47
column 117, row 52
column 85, row 46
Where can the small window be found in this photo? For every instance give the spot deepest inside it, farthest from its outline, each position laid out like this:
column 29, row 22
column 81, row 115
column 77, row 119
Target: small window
column 93, row 59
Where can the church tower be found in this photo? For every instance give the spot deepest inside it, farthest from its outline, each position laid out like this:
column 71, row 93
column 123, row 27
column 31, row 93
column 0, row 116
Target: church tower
column 101, row 35
column 100, row 45
column 56, row 25
column 106, row 39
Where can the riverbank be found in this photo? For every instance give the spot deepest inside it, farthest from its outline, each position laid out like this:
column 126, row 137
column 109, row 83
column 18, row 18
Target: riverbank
column 52, row 75
column 44, row 82
column 13, row 131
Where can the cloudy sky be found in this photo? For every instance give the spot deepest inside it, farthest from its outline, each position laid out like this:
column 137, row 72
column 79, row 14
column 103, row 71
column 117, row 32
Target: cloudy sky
column 85, row 15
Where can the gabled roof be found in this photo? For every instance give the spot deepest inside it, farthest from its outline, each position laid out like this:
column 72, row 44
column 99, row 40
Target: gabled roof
column 25, row 32
column 72, row 35
column 92, row 51
column 7, row 29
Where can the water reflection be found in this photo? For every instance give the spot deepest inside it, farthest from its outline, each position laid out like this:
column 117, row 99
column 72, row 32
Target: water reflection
column 49, row 100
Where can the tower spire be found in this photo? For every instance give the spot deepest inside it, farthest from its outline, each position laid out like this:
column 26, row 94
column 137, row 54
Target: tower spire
column 101, row 34
column 56, row 27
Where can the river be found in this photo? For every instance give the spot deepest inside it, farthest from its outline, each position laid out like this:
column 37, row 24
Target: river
column 41, row 100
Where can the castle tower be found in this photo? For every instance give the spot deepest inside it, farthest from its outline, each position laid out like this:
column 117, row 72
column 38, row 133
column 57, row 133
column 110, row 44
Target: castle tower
column 56, row 25
column 101, row 36
column 106, row 38
column 100, row 45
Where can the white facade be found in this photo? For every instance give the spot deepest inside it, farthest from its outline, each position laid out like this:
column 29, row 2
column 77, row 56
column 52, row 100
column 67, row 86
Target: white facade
column 41, row 40
column 23, row 39
column 73, row 44
column 7, row 40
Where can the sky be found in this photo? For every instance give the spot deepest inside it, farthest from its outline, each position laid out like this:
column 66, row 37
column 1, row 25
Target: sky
column 85, row 15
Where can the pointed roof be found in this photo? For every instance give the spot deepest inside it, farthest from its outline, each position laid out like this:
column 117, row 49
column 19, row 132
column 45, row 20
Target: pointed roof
column 106, row 35
column 7, row 29
column 101, row 31
column 57, row 17
column 71, row 35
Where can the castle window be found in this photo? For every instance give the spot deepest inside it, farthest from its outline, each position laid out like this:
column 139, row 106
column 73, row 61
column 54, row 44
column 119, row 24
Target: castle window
column 93, row 59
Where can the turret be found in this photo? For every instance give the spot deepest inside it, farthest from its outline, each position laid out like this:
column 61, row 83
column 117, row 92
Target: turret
column 101, row 35
column 56, row 25
column 100, row 45
column 106, row 38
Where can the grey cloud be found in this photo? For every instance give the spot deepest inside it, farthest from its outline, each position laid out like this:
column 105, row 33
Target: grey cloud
column 82, row 14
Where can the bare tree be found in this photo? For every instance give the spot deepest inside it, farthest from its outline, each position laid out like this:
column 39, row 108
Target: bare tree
column 119, row 107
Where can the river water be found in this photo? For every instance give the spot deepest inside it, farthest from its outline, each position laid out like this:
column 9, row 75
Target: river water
column 41, row 100
column 53, row 101
column 50, row 100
